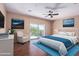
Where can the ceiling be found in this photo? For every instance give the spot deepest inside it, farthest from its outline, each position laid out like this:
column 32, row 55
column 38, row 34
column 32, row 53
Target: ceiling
column 38, row 9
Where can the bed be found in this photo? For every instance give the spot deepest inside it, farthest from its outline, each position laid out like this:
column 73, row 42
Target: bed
column 61, row 41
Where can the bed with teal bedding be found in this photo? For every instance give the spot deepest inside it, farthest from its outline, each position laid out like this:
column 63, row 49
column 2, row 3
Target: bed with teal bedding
column 66, row 42
column 51, row 52
column 60, row 44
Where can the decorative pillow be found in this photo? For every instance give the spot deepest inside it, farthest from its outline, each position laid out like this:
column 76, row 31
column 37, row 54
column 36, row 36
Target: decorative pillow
column 62, row 33
column 71, row 33
column 67, row 33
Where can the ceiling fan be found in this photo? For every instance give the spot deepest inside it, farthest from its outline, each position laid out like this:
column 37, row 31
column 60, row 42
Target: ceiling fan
column 51, row 11
column 51, row 14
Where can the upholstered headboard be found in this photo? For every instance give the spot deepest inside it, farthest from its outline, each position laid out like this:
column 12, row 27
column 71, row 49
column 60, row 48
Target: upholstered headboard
column 76, row 31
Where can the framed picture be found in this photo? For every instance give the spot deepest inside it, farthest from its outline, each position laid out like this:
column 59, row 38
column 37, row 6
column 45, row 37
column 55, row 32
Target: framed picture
column 17, row 24
column 68, row 22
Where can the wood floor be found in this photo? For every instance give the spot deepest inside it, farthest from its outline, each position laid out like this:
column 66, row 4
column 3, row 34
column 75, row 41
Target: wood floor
column 28, row 49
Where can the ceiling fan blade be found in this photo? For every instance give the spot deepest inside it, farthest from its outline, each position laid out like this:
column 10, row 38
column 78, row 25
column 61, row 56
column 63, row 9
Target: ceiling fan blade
column 44, row 14
column 56, row 14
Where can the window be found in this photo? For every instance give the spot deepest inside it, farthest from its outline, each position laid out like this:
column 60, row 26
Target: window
column 37, row 30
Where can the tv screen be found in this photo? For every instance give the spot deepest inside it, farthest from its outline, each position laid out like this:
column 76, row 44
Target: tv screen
column 68, row 22
column 1, row 20
column 17, row 24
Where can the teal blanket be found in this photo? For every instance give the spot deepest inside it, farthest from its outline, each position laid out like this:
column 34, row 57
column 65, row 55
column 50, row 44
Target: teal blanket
column 66, row 42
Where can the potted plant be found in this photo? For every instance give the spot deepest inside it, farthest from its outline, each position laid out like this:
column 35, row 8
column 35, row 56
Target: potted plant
column 11, row 31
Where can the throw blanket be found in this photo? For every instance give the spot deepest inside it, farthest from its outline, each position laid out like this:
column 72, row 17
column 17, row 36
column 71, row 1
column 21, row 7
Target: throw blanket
column 66, row 42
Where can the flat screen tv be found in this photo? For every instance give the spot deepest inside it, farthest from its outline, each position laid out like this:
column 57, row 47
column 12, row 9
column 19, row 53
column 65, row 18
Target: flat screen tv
column 17, row 24
column 1, row 20
column 68, row 22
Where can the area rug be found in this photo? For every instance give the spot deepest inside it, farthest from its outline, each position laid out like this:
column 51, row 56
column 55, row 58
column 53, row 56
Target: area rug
column 51, row 52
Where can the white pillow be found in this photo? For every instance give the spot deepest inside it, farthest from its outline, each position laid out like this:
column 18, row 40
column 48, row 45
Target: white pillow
column 62, row 33
column 67, row 33
column 70, row 33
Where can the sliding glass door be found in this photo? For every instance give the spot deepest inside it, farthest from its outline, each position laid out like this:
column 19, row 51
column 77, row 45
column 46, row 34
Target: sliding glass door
column 36, row 30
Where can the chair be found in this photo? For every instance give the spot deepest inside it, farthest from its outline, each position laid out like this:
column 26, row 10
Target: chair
column 21, row 37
